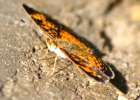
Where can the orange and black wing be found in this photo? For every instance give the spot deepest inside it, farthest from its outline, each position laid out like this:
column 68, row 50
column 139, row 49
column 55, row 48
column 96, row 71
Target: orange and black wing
column 96, row 69
column 76, row 50
column 44, row 21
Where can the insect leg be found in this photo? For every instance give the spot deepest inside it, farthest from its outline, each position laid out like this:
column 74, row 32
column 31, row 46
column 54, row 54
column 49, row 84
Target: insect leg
column 54, row 66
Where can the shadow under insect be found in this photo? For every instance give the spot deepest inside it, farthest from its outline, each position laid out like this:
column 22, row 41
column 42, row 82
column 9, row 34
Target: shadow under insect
column 119, row 81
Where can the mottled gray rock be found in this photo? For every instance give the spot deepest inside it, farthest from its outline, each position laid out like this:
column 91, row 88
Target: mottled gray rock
column 25, row 66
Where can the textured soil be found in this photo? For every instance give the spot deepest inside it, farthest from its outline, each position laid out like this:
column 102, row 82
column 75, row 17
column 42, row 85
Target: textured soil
column 113, row 26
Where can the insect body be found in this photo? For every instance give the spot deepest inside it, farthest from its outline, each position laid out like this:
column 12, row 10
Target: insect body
column 65, row 44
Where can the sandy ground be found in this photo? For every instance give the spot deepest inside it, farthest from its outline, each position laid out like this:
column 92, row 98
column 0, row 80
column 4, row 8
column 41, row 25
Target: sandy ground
column 113, row 26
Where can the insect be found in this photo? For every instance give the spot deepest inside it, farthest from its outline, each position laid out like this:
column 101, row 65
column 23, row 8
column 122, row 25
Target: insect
column 68, row 46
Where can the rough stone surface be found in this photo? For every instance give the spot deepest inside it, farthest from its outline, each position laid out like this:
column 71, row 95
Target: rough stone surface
column 113, row 26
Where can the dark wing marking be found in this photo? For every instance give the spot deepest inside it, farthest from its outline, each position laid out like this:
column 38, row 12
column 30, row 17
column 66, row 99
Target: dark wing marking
column 44, row 21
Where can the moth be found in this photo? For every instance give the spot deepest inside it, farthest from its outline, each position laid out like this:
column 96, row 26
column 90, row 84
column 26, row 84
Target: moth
column 60, row 40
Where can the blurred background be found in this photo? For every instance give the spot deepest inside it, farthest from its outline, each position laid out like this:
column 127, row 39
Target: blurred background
column 113, row 26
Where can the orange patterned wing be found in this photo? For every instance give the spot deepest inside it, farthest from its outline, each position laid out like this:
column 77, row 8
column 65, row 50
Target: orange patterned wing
column 84, row 58
column 46, row 24
column 71, row 46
